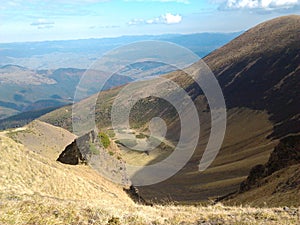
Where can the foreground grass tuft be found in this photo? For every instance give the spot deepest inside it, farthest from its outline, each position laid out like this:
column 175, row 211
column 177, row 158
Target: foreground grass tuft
column 44, row 210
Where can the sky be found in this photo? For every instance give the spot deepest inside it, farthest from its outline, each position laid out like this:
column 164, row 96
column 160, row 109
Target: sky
column 40, row 20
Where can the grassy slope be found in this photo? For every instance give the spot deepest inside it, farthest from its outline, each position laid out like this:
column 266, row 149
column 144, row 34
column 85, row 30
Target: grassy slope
column 6, row 112
column 260, row 70
column 37, row 190
column 42, row 138
column 270, row 193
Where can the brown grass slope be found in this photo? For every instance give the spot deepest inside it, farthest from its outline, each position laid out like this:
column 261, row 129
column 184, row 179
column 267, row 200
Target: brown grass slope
column 42, row 138
column 35, row 189
column 276, row 182
column 26, row 170
column 259, row 76
column 260, row 70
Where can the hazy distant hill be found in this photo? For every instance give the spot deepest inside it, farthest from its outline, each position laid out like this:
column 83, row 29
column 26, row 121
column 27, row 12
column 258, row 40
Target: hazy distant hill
column 259, row 75
column 82, row 53
column 24, row 89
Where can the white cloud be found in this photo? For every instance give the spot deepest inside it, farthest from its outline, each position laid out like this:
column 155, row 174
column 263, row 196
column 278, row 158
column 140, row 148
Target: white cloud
column 167, row 18
column 261, row 4
column 172, row 19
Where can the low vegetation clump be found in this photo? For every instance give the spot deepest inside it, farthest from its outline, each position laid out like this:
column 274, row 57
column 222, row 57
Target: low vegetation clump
column 114, row 221
column 104, row 139
column 110, row 133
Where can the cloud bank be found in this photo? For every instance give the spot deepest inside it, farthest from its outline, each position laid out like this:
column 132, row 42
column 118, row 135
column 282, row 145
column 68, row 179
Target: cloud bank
column 167, row 18
column 261, row 4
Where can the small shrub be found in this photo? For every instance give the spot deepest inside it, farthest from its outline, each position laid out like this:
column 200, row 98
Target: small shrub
column 104, row 139
column 111, row 133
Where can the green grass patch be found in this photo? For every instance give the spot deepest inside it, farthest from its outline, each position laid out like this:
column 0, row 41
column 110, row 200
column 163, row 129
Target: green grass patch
column 104, row 139
column 111, row 133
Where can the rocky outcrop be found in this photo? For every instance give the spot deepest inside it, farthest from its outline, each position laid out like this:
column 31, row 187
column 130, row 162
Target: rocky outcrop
column 79, row 150
column 88, row 149
column 285, row 154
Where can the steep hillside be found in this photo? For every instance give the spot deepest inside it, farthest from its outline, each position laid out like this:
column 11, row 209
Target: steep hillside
column 260, row 70
column 38, row 190
column 259, row 75
column 26, row 173
column 276, row 182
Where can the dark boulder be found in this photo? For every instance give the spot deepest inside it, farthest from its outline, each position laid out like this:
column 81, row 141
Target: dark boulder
column 78, row 151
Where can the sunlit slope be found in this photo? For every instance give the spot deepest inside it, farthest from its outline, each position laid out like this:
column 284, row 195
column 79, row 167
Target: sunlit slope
column 24, row 172
column 42, row 138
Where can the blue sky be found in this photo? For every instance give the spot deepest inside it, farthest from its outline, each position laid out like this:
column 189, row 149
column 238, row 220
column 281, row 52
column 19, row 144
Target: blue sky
column 38, row 20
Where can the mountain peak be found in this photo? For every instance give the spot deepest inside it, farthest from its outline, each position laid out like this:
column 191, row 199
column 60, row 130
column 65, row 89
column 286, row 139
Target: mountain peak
column 268, row 37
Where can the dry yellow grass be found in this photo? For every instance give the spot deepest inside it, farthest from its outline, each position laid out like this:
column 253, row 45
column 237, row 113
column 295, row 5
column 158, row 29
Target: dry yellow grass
column 38, row 210
column 42, row 138
column 24, row 172
column 37, row 190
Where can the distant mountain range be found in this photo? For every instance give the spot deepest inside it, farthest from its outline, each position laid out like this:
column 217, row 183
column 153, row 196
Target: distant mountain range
column 82, row 53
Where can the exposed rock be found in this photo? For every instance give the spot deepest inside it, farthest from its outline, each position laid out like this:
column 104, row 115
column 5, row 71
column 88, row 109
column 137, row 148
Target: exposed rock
column 87, row 149
column 211, row 222
column 286, row 153
column 256, row 173
column 79, row 150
